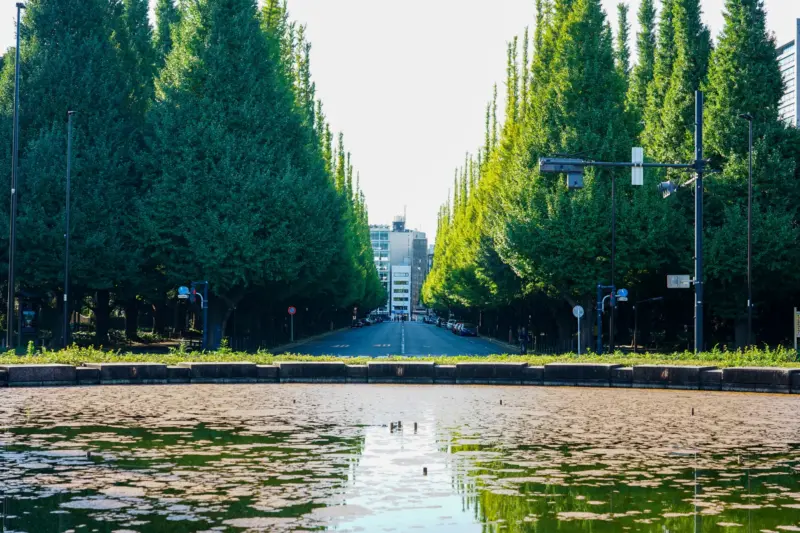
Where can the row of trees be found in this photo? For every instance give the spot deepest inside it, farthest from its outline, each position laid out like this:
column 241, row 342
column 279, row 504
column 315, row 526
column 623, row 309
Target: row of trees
column 517, row 248
column 200, row 152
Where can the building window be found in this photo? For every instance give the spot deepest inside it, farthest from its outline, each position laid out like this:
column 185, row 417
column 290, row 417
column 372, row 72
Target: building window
column 401, row 283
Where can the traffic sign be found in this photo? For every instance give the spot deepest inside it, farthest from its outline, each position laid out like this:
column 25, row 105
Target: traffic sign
column 292, row 310
column 577, row 311
column 637, row 173
column 675, row 281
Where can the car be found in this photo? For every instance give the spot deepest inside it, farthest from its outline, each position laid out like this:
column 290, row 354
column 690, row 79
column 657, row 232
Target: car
column 357, row 324
column 457, row 327
column 468, row 330
column 367, row 322
column 440, row 322
column 450, row 324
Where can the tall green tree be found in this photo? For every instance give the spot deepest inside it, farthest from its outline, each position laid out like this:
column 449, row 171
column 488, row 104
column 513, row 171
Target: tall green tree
column 681, row 68
column 167, row 17
column 74, row 57
column 643, row 72
column 744, row 77
column 236, row 176
column 623, row 49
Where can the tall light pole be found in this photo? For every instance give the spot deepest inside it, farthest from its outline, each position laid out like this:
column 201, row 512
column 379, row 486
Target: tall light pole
column 573, row 168
column 66, row 231
column 749, row 118
column 12, row 226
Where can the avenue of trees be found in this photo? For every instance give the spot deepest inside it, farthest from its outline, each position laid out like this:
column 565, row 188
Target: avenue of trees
column 517, row 248
column 200, row 152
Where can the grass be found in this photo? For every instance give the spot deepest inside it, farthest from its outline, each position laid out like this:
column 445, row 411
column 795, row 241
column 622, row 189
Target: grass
column 76, row 356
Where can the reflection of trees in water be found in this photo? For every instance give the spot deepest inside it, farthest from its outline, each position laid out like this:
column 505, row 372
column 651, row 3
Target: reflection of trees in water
column 498, row 491
column 207, row 471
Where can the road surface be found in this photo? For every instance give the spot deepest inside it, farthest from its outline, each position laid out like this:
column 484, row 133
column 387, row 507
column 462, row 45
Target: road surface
column 398, row 338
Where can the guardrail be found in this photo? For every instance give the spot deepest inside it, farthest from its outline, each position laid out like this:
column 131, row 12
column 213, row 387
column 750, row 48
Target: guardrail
column 749, row 379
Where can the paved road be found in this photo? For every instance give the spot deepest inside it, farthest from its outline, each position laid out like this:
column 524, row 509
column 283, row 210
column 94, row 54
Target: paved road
column 398, row 338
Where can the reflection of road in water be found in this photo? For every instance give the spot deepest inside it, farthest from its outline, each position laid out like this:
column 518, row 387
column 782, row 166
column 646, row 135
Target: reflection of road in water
column 288, row 458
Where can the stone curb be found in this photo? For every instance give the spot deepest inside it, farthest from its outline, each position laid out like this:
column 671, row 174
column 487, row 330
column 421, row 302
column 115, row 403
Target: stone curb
column 766, row 379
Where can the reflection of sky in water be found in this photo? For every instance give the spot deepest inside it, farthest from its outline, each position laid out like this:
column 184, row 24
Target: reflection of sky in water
column 310, row 457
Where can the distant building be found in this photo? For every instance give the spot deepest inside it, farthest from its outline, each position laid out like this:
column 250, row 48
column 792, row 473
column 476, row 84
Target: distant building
column 788, row 55
column 406, row 251
column 430, row 257
column 379, row 235
column 401, row 291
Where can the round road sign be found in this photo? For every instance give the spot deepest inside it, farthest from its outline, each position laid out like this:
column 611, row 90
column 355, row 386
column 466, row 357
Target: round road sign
column 577, row 311
column 292, row 310
column 622, row 293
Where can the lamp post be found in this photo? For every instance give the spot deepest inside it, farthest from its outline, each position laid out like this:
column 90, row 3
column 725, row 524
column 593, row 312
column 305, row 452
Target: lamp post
column 636, row 318
column 749, row 118
column 573, row 168
column 66, row 231
column 12, row 226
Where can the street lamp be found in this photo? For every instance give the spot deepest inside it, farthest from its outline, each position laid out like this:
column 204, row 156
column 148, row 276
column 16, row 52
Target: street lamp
column 749, row 118
column 66, row 230
column 573, row 169
column 636, row 318
column 12, row 226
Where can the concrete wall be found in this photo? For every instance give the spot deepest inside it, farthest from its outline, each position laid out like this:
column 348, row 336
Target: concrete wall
column 770, row 380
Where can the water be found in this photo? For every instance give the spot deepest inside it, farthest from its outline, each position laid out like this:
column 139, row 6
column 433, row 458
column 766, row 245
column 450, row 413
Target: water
column 324, row 458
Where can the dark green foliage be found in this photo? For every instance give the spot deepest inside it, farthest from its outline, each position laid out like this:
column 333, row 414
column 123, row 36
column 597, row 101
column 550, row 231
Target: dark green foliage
column 167, row 16
column 220, row 170
column 643, row 71
column 623, row 50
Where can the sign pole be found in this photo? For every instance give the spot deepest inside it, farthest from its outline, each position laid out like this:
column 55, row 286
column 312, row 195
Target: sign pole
column 291, row 321
column 578, row 312
column 795, row 329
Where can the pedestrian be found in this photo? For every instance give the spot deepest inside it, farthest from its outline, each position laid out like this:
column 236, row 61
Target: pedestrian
column 523, row 341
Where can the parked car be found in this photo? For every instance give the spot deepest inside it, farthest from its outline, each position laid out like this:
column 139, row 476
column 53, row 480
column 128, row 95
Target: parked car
column 457, row 327
column 450, row 324
column 367, row 322
column 440, row 322
column 468, row 330
column 357, row 324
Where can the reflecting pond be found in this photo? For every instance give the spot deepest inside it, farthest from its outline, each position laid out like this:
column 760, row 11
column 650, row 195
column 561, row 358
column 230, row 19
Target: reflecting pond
column 189, row 458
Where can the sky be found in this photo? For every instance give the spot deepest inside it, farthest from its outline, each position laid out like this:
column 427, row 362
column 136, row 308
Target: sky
column 407, row 82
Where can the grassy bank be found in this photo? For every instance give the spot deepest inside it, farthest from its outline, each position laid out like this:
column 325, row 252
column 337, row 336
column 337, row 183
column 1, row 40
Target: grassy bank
column 77, row 356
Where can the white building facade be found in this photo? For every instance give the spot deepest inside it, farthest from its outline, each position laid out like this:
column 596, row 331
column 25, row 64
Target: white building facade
column 401, row 291
column 379, row 235
column 397, row 249
column 787, row 59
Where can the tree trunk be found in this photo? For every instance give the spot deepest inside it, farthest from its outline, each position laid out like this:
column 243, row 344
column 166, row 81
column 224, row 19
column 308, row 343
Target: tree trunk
column 159, row 318
column 101, row 317
column 132, row 319
column 740, row 332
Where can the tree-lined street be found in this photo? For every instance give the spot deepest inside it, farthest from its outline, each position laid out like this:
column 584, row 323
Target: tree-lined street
column 398, row 338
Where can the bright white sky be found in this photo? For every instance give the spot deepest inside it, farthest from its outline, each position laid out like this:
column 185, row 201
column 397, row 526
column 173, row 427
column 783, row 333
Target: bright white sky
column 408, row 82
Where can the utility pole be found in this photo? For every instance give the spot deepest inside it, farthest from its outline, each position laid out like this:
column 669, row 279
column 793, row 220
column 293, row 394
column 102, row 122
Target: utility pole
column 749, row 118
column 699, row 165
column 573, row 168
column 12, row 226
column 66, row 230
column 613, row 258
